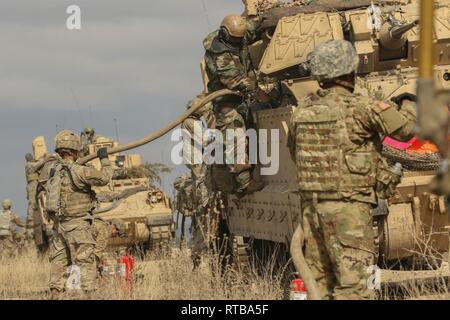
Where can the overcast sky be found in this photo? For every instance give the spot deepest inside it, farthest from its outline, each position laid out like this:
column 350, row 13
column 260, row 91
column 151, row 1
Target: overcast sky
column 134, row 61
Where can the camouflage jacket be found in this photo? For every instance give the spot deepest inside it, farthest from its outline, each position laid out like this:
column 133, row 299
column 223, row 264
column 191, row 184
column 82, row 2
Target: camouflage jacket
column 9, row 221
column 86, row 176
column 226, row 66
column 342, row 161
column 32, row 168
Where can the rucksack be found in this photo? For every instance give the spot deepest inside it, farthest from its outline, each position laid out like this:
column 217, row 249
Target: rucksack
column 53, row 195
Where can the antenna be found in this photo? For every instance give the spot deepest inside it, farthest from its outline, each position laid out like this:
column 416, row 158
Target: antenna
column 91, row 118
column 162, row 173
column 78, row 107
column 205, row 10
column 116, row 129
column 57, row 129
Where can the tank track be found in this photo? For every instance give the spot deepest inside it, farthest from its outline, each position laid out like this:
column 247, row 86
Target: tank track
column 160, row 240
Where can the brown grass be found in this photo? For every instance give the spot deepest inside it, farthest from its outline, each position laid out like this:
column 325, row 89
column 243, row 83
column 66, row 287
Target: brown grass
column 26, row 277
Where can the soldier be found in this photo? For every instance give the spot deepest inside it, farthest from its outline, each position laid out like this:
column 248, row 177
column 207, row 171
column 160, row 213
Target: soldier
column 184, row 200
column 228, row 66
column 70, row 201
column 87, row 137
column 335, row 140
column 32, row 168
column 9, row 221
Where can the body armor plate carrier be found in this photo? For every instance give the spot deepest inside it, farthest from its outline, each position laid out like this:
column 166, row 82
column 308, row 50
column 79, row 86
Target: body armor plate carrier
column 327, row 160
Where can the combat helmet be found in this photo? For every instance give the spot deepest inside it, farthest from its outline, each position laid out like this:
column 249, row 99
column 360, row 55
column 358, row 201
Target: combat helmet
column 29, row 157
column 6, row 204
column 333, row 59
column 89, row 131
column 67, row 139
column 235, row 25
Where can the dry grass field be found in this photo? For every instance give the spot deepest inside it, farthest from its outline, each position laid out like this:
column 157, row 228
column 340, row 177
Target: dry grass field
column 26, row 277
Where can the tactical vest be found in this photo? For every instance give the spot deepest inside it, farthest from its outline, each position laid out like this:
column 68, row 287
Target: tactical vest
column 6, row 225
column 327, row 160
column 64, row 198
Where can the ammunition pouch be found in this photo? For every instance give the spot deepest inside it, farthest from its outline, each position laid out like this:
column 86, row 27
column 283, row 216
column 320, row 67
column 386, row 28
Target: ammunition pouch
column 387, row 181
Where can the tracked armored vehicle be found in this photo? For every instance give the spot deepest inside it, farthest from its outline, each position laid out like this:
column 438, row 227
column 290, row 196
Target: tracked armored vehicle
column 386, row 37
column 145, row 210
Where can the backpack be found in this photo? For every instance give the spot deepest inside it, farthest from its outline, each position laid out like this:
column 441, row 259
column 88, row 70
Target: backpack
column 53, row 194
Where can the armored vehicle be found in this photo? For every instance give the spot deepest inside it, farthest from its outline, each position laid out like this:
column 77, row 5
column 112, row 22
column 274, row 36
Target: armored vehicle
column 130, row 197
column 414, row 224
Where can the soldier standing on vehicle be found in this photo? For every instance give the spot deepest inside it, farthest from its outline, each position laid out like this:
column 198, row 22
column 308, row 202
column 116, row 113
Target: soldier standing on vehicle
column 9, row 221
column 228, row 66
column 335, row 140
column 32, row 168
column 70, row 202
column 87, row 138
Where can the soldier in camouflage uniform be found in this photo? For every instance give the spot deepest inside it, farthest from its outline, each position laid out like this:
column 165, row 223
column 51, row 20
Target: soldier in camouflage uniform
column 185, row 197
column 335, row 140
column 87, row 137
column 9, row 221
column 228, row 66
column 32, row 168
column 70, row 201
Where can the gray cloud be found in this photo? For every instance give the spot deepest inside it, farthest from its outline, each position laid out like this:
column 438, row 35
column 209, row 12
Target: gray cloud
column 136, row 61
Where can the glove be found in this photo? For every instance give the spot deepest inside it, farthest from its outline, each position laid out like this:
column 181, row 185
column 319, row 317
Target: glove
column 102, row 153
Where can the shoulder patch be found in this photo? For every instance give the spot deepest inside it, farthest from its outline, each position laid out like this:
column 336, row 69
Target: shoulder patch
column 381, row 106
column 384, row 105
column 88, row 172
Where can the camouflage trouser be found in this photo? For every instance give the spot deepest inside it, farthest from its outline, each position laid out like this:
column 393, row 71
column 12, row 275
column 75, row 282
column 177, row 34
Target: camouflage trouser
column 198, row 238
column 240, row 171
column 204, row 229
column 101, row 233
column 8, row 247
column 75, row 247
column 198, row 170
column 339, row 247
column 32, row 203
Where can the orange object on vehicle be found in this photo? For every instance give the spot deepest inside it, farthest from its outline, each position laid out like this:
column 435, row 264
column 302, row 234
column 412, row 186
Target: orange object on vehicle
column 422, row 147
column 412, row 146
